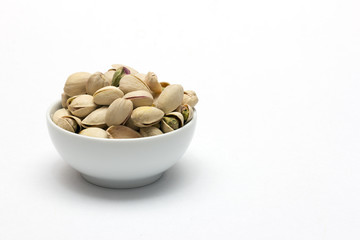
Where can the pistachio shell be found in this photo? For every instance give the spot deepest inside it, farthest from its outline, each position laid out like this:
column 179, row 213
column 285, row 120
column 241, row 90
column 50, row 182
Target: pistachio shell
column 76, row 83
column 190, row 98
column 172, row 121
column 117, row 66
column 187, row 111
column 94, row 132
column 118, row 112
column 81, row 105
column 64, row 99
column 146, row 116
column 95, row 118
column 140, row 75
column 95, row 82
column 121, row 131
column 119, row 73
column 131, row 83
column 106, row 95
column 150, row 131
column 170, row 98
column 130, row 123
column 109, row 75
column 69, row 123
column 59, row 113
column 164, row 85
column 152, row 81
column 140, row 98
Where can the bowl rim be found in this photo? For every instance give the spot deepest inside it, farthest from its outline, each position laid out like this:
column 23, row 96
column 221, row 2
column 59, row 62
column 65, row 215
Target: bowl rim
column 150, row 138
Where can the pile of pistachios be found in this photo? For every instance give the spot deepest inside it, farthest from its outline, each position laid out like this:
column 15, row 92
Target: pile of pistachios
column 123, row 103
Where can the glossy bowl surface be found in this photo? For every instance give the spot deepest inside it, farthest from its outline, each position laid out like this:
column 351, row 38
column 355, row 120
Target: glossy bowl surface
column 120, row 163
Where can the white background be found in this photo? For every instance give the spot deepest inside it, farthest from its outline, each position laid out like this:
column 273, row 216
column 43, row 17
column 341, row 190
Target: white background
column 276, row 152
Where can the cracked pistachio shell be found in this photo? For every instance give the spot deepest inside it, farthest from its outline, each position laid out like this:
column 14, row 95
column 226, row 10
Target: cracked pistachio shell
column 130, row 83
column 95, row 118
column 59, row 113
column 69, row 123
column 94, row 132
column 76, row 83
column 140, row 75
column 130, row 123
column 170, row 98
column 187, row 111
column 119, row 73
column 81, row 105
column 121, row 131
column 146, row 116
column 152, row 81
column 109, row 75
column 172, row 121
column 140, row 98
column 117, row 66
column 190, row 98
column 64, row 99
column 164, row 85
column 95, row 82
column 106, row 95
column 150, row 131
column 118, row 112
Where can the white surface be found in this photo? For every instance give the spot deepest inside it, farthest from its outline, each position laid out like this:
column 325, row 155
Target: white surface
column 276, row 152
column 120, row 163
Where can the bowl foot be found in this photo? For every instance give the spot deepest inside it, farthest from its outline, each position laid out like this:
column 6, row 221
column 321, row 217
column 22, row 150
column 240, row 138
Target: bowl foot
column 109, row 183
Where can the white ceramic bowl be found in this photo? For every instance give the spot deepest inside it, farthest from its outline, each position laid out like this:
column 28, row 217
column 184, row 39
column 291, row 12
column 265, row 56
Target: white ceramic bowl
column 120, row 163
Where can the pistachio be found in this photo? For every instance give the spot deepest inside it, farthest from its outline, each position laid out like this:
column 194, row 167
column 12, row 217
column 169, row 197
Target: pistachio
column 170, row 98
column 131, row 83
column 59, row 113
column 106, row 95
column 187, row 111
column 81, row 105
column 95, row 82
column 146, row 116
column 76, row 83
column 94, row 132
column 152, row 81
column 119, row 73
column 140, row 98
column 69, row 123
column 150, row 131
column 129, row 70
column 121, row 131
column 172, row 121
column 130, row 123
column 119, row 111
column 109, row 75
column 64, row 99
column 140, row 75
column 164, row 85
column 95, row 118
column 190, row 98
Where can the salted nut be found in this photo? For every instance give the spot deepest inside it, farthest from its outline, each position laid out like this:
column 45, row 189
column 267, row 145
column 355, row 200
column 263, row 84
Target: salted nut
column 170, row 98
column 69, row 123
column 130, row 82
column 140, row 98
column 122, row 132
column 146, row 116
column 106, row 95
column 94, row 132
column 118, row 112
column 123, row 103
column 95, row 82
column 81, row 105
column 95, row 118
column 172, row 121
column 76, row 84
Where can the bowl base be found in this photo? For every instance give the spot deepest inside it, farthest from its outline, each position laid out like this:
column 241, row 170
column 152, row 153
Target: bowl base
column 109, row 183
